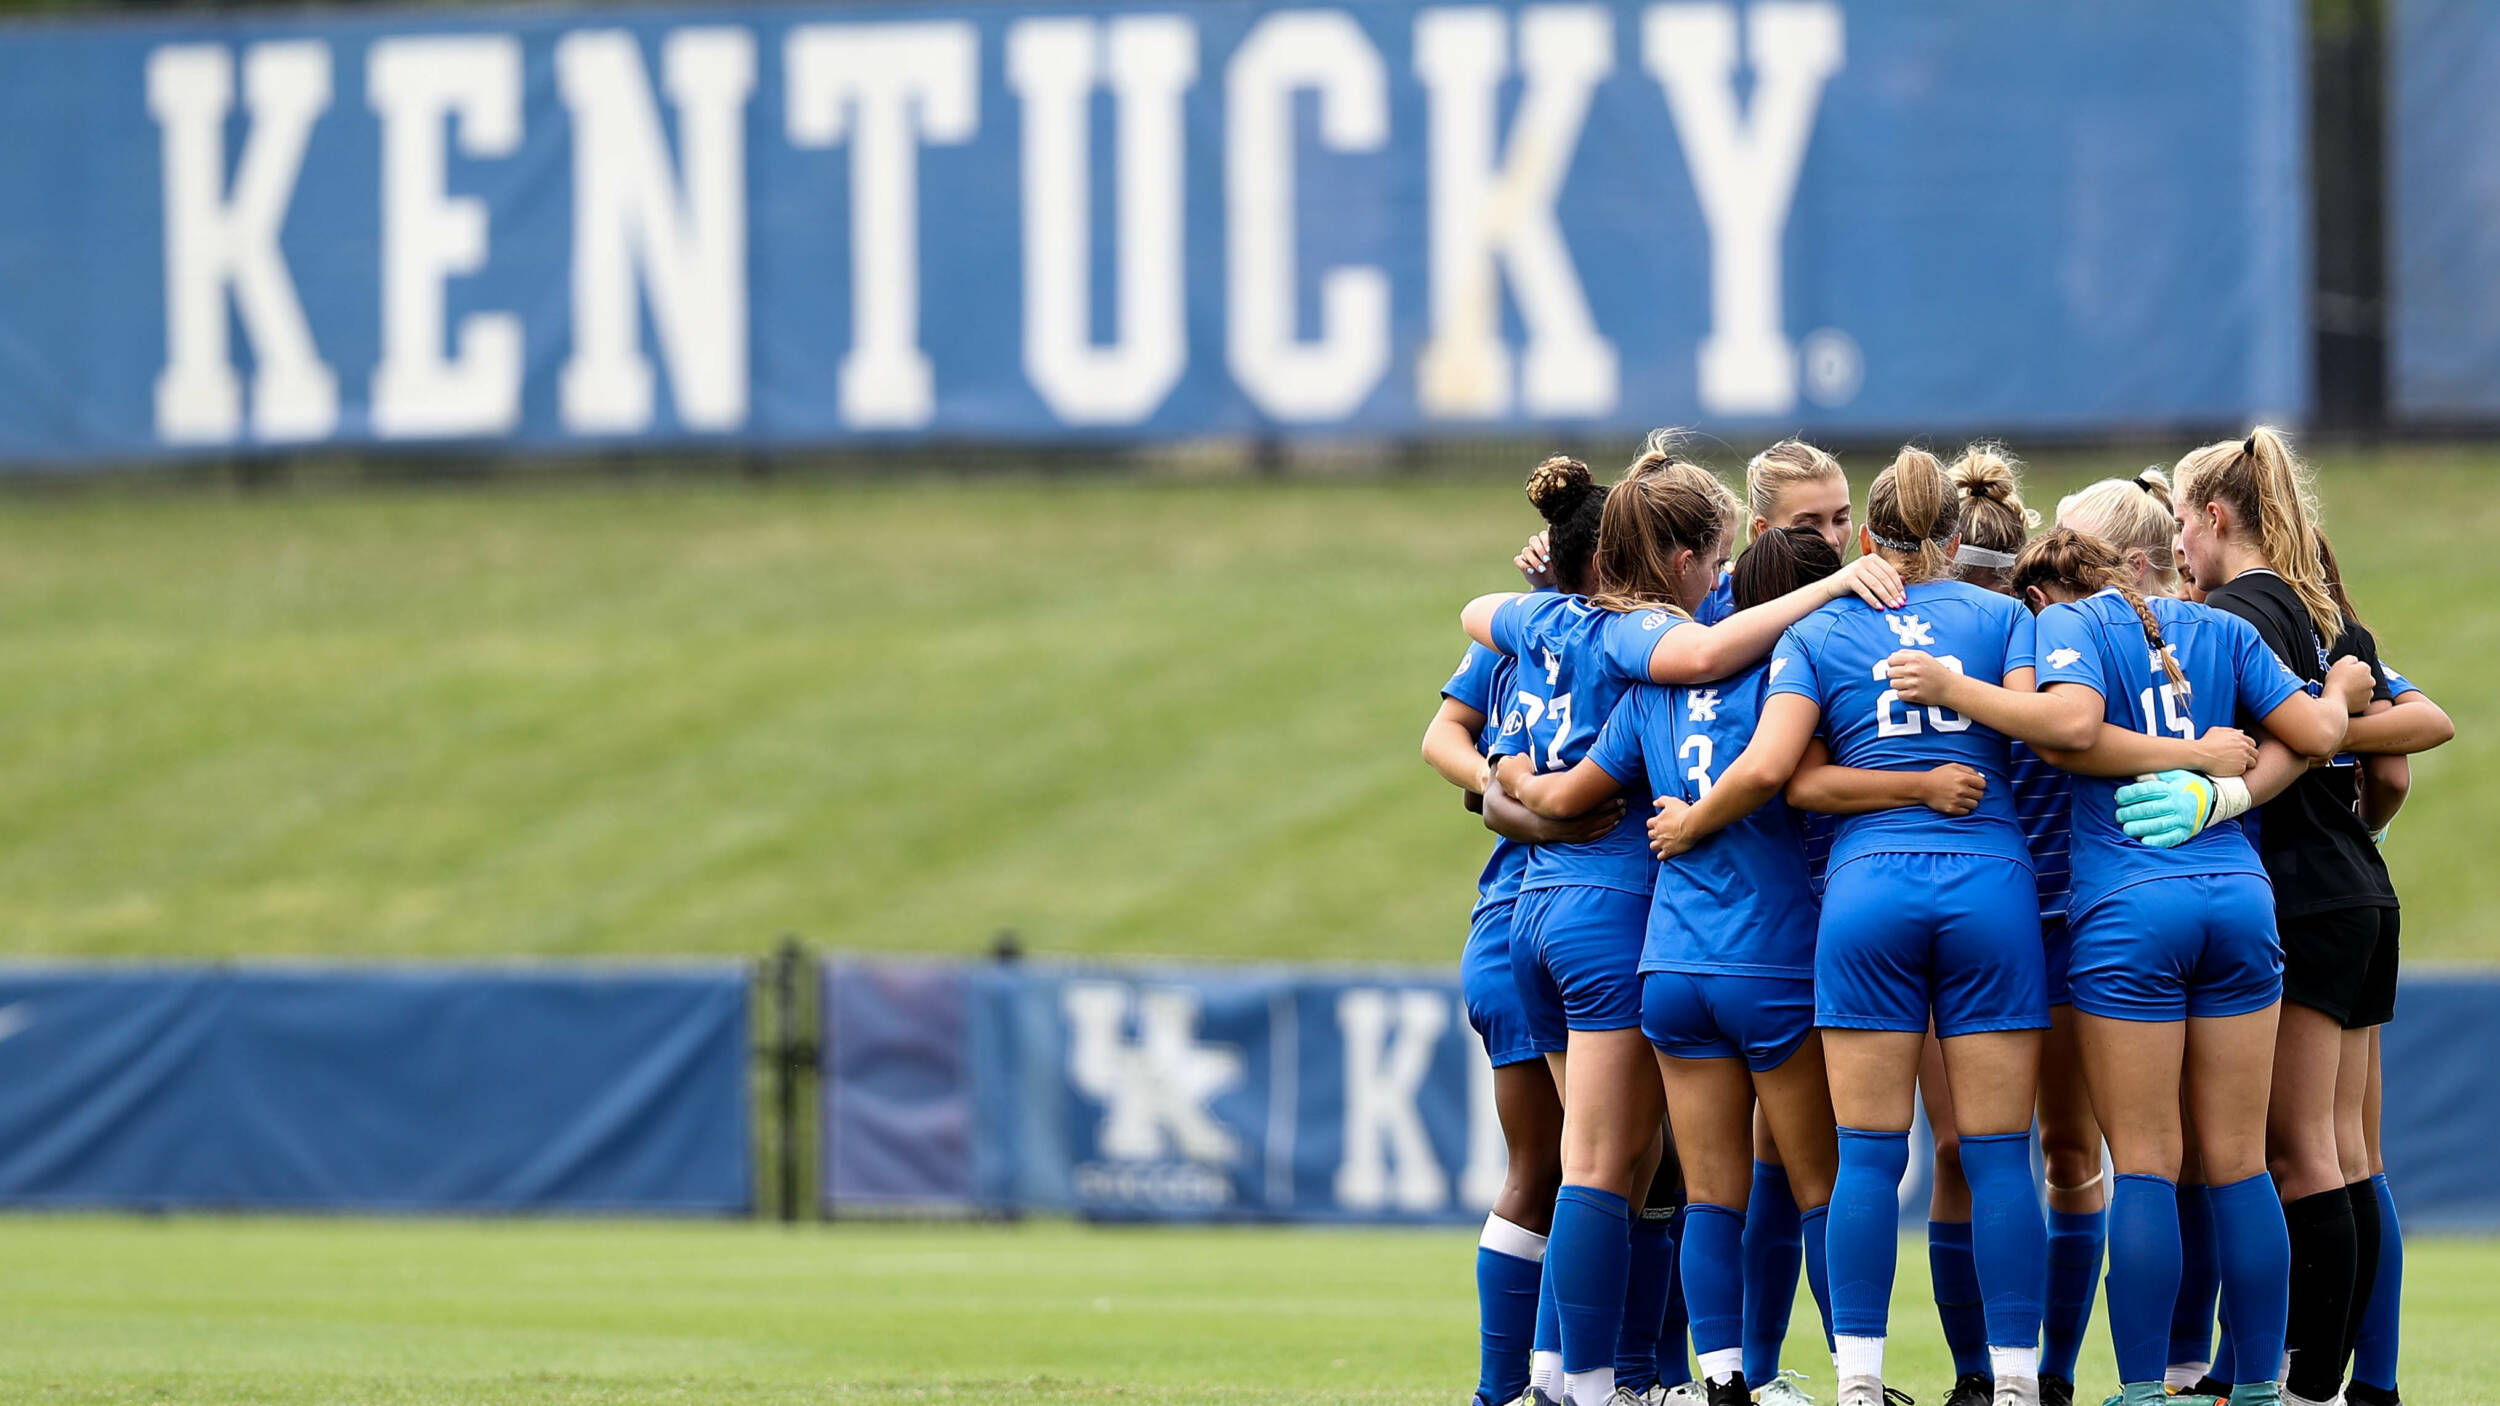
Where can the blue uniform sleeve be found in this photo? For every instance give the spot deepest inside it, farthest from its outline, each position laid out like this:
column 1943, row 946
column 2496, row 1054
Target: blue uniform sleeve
column 2397, row 684
column 1510, row 625
column 1630, row 637
column 2264, row 682
column 2069, row 649
column 1617, row 750
column 1792, row 669
column 2021, row 637
column 1472, row 684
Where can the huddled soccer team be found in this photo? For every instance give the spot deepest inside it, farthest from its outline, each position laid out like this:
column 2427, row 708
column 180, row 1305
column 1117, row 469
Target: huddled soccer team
column 2073, row 833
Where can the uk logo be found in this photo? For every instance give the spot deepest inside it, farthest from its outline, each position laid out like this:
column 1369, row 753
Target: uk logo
column 1911, row 629
column 1702, row 705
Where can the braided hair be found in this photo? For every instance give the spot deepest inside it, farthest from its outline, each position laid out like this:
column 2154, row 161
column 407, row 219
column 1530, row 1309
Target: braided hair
column 2085, row 565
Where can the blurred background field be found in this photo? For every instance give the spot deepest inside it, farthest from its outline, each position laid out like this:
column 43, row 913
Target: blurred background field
column 362, row 1313
column 683, row 714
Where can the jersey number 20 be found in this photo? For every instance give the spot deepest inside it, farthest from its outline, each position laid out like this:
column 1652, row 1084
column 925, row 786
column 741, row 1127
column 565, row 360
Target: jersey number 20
column 1904, row 722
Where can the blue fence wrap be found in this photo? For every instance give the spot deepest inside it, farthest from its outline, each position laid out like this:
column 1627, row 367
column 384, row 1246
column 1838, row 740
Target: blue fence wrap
column 2443, row 217
column 375, row 1090
column 1295, row 1095
column 796, row 225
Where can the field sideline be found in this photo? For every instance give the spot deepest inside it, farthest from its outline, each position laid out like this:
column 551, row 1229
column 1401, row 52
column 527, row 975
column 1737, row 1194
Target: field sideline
column 207, row 1312
column 683, row 716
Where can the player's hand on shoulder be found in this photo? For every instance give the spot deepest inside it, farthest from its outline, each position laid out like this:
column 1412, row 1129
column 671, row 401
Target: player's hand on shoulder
column 1871, row 579
column 2225, row 751
column 1666, row 828
column 1954, row 789
column 1919, row 677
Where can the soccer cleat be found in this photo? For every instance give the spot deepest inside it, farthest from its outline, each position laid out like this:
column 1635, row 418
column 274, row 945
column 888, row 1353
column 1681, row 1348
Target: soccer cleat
column 1684, row 1393
column 1972, row 1389
column 1783, row 1390
column 1863, row 1391
column 1536, row 1397
column 2056, row 1390
column 1732, row 1392
column 1626, row 1396
column 2210, row 1388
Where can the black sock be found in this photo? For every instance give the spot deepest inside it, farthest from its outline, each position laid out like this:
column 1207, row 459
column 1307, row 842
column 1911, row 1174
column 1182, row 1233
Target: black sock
column 2323, row 1265
column 2364, row 1394
column 2365, row 1233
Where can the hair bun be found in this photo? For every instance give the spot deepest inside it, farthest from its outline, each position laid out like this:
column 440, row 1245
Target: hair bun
column 1557, row 486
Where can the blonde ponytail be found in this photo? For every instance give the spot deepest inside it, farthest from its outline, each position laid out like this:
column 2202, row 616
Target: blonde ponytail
column 1662, row 505
column 2269, row 493
column 1911, row 514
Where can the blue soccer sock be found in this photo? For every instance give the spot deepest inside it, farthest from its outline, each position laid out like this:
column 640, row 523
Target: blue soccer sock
column 1674, row 1367
column 1773, row 1248
column 1510, row 1263
column 2256, row 1274
column 2075, row 1242
column 1862, row 1232
column 1954, row 1273
column 1646, row 1284
column 2374, row 1357
column 1814, row 1227
column 1545, row 1371
column 2010, row 1242
column 1714, row 1276
column 2200, row 1279
column 1589, row 1254
column 2143, row 1274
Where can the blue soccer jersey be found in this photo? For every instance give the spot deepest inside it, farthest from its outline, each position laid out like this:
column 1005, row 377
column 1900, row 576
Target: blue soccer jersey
column 1720, row 603
column 2099, row 643
column 1575, row 662
column 1483, row 680
column 2043, row 802
column 1835, row 659
column 1740, row 903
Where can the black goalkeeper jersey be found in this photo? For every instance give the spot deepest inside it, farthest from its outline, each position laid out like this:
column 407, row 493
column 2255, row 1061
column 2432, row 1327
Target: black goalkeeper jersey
column 2316, row 850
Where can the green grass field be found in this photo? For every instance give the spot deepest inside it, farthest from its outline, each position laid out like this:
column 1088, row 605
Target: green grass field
column 323, row 1313
column 687, row 715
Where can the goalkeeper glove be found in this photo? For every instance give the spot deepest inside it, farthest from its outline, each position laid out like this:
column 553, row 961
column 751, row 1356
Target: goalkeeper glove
column 2170, row 809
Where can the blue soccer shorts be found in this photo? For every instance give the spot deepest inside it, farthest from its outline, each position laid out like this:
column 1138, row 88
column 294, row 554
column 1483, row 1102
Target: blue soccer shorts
column 1492, row 993
column 1575, row 952
column 1907, row 936
column 1712, row 1015
column 2166, row 949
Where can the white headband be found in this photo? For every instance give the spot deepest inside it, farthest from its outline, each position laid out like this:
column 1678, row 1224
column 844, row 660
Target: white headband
column 1980, row 556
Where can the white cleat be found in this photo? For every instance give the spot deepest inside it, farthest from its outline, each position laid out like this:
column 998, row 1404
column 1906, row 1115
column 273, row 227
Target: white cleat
column 1783, row 1390
column 1684, row 1394
column 1861, row 1391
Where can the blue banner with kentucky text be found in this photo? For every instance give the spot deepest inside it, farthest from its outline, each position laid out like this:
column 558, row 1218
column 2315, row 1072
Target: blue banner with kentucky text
column 1164, row 1093
column 375, row 1090
column 814, row 224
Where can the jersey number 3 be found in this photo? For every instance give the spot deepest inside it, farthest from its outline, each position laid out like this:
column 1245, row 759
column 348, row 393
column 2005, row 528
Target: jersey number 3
column 1894, row 720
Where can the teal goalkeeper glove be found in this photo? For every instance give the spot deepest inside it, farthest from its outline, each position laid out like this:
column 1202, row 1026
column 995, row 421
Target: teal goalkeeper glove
column 2170, row 809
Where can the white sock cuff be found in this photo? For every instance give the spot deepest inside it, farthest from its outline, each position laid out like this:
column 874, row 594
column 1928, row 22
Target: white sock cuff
column 1719, row 1365
column 2014, row 1363
column 1857, row 1357
column 1595, row 1387
column 1517, row 1241
column 2182, row 1375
